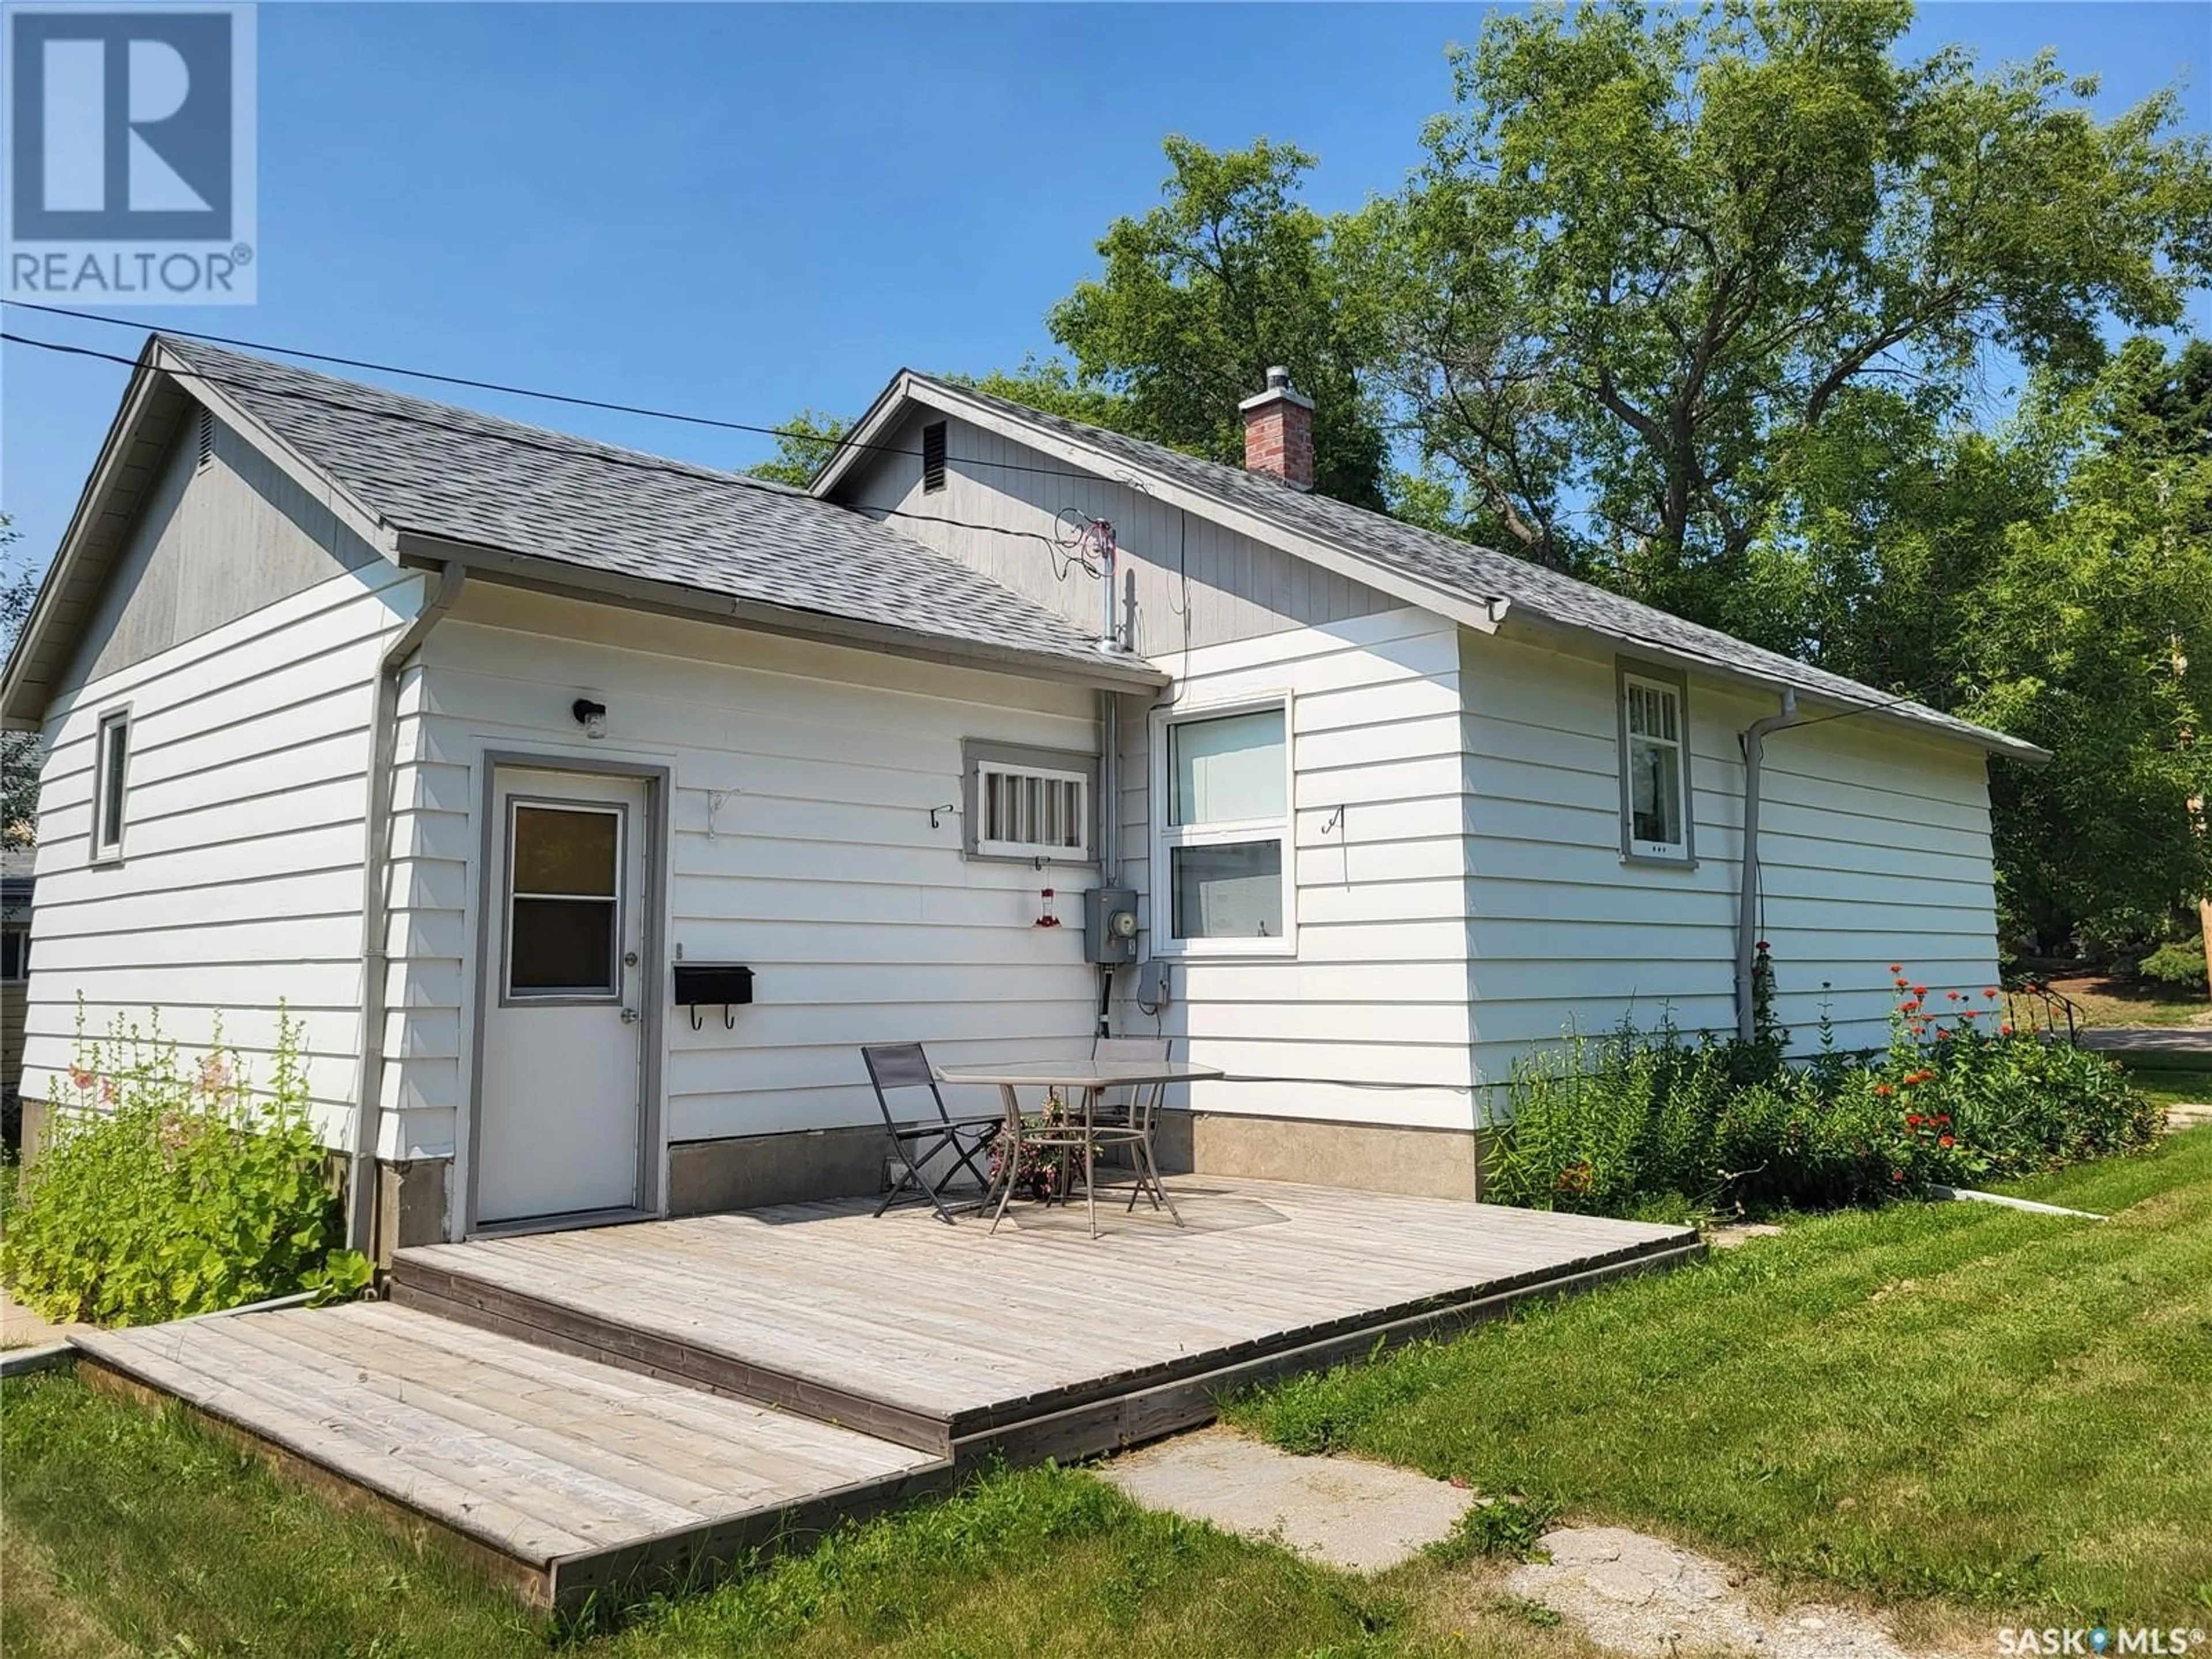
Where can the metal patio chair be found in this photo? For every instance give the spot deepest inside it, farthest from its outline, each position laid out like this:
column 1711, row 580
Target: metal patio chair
column 915, row 1141
column 1128, row 1124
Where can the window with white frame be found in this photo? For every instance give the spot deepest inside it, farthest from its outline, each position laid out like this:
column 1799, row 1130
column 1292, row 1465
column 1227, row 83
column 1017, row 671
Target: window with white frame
column 1221, row 868
column 1029, row 802
column 110, row 784
column 1654, row 766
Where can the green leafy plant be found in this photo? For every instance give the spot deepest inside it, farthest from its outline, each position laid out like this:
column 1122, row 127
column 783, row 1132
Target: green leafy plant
column 1653, row 1125
column 168, row 1188
column 2178, row 962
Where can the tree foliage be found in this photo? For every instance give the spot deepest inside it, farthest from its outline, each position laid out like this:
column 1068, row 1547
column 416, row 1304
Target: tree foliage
column 1651, row 254
column 1230, row 276
column 20, row 753
column 803, row 444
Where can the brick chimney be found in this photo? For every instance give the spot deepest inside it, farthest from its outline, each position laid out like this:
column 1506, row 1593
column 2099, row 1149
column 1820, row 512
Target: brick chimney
column 1279, row 432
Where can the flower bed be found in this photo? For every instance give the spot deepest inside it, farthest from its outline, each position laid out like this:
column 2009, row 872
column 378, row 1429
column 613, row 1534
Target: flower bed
column 1657, row 1124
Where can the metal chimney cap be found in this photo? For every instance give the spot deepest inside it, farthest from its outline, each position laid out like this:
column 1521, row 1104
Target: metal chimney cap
column 1278, row 378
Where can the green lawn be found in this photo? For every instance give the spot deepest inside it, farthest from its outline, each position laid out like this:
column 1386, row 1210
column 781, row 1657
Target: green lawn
column 124, row 1531
column 2169, row 1083
column 1952, row 1400
column 2100, row 1000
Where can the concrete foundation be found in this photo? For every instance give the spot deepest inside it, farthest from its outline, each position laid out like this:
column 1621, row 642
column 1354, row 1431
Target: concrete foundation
column 745, row 1172
column 1369, row 1157
column 411, row 1204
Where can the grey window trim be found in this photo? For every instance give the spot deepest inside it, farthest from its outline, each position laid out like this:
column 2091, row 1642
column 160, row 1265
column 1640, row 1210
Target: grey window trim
column 1624, row 669
column 104, row 851
column 975, row 750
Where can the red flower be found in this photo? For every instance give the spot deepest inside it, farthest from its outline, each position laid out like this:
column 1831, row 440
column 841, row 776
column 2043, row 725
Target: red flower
column 1944, row 1141
column 1943, row 1117
column 1883, row 1088
column 1990, row 992
column 2004, row 1031
column 1953, row 995
column 1970, row 1013
column 80, row 1077
column 1761, row 946
column 1912, row 1120
column 1920, row 990
column 1941, row 1035
column 1896, row 967
column 1897, row 1175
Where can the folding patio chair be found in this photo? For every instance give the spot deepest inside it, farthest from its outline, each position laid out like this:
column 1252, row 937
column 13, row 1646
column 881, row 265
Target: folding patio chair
column 1129, row 1123
column 915, row 1141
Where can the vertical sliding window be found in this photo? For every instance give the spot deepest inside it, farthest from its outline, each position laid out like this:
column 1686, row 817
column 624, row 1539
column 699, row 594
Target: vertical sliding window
column 110, row 784
column 1655, row 759
column 1223, row 865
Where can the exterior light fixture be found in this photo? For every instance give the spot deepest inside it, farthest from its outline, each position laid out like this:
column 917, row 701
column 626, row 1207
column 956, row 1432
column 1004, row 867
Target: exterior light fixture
column 591, row 716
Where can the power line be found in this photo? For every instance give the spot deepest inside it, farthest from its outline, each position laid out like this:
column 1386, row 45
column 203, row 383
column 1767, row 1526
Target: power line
column 573, row 400
column 601, row 454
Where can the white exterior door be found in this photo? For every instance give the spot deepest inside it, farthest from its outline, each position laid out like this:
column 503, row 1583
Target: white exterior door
column 560, row 1128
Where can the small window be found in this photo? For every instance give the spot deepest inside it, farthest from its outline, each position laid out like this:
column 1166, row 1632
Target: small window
column 1029, row 803
column 932, row 457
column 15, row 955
column 1654, row 767
column 564, row 902
column 1222, row 864
column 110, row 784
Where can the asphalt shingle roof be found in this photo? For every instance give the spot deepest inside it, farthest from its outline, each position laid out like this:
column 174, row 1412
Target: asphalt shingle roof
column 453, row 473
column 1479, row 573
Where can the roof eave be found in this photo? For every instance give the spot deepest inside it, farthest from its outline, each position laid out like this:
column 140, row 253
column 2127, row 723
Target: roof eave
column 520, row 569
column 1524, row 620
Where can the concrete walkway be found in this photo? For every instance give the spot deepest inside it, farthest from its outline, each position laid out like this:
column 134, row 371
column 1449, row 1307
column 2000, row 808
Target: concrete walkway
column 2181, row 1043
column 21, row 1329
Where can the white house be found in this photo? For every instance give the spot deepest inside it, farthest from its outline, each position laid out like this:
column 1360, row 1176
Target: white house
column 489, row 752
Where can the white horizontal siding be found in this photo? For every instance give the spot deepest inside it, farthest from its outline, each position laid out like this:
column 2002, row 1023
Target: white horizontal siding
column 240, row 889
column 821, row 870
column 1874, row 848
column 1367, row 1021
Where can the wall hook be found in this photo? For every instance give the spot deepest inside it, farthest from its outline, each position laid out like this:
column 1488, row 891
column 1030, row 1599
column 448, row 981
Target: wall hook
column 1335, row 818
column 935, row 812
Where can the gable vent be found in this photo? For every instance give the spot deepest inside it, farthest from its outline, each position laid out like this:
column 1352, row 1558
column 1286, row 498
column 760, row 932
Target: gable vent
column 206, row 438
column 932, row 457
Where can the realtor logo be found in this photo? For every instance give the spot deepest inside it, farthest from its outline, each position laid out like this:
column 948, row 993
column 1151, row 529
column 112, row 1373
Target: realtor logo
column 131, row 155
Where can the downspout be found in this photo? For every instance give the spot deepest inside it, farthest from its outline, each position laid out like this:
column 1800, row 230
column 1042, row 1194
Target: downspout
column 383, row 740
column 1110, row 839
column 1747, row 907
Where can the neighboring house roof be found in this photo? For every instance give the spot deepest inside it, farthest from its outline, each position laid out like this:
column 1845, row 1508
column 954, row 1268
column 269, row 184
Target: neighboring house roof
column 432, row 482
column 1476, row 584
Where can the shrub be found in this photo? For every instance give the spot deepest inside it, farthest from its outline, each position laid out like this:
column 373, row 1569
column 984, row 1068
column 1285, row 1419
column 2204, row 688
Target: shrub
column 2179, row 964
column 1650, row 1124
column 165, row 1190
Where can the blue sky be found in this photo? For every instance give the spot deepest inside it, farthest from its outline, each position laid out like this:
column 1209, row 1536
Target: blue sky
column 739, row 210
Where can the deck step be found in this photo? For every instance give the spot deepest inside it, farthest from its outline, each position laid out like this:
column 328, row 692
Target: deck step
column 565, row 1475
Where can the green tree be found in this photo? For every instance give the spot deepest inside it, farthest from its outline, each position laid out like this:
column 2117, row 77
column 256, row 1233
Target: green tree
column 2090, row 633
column 20, row 753
column 1654, row 253
column 1232, row 274
column 803, row 444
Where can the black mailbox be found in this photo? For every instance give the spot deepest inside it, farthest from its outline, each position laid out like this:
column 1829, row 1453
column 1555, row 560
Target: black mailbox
column 712, row 984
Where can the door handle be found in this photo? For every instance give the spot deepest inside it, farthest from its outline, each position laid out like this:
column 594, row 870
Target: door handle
column 629, row 1016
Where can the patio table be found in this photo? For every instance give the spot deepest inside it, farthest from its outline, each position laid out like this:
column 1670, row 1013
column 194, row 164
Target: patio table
column 1089, row 1079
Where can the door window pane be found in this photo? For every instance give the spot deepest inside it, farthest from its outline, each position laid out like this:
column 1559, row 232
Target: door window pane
column 562, row 945
column 1228, row 770
column 1230, row 890
column 560, row 851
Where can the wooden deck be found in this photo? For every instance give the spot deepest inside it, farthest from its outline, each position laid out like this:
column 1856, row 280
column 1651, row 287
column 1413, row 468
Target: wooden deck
column 587, row 1411
column 580, row 1474
column 1037, row 1340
